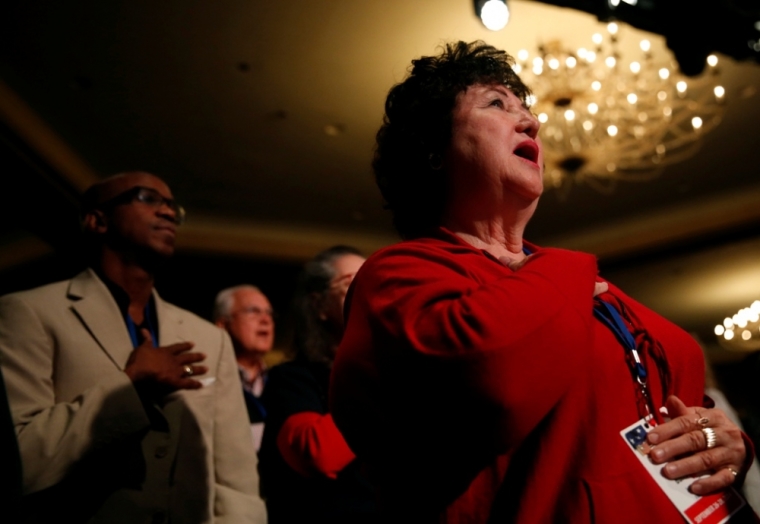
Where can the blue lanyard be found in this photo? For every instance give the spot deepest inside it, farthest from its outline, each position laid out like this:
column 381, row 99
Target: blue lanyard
column 610, row 317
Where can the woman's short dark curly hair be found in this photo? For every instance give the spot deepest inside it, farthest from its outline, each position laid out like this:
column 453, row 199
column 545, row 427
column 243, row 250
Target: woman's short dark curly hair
column 416, row 129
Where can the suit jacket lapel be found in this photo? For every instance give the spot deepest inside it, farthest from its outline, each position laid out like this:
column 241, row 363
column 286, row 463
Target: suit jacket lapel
column 169, row 323
column 98, row 311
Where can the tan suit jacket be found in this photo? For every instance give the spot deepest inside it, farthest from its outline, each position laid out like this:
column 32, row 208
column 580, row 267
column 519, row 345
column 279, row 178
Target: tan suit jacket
column 91, row 451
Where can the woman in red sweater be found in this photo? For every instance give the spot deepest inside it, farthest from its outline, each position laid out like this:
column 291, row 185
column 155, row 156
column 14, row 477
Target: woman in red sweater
column 485, row 379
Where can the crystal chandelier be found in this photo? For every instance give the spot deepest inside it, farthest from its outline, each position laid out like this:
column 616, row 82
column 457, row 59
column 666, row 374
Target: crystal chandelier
column 607, row 117
column 741, row 331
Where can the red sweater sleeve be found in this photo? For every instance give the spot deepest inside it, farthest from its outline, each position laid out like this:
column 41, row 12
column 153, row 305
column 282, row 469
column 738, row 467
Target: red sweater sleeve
column 508, row 340
column 312, row 445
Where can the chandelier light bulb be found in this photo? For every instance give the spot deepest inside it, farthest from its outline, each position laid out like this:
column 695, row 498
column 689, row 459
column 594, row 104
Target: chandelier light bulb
column 719, row 330
column 612, row 130
column 645, row 45
column 543, row 118
column 632, row 98
column 719, row 91
column 569, row 115
column 681, row 86
column 635, row 68
column 588, row 125
column 612, row 28
column 597, row 38
column 495, row 14
column 582, row 52
column 664, row 73
column 593, row 108
column 610, row 61
column 696, row 122
column 522, row 55
column 590, row 57
column 570, row 62
column 744, row 327
column 712, row 60
column 553, row 63
column 517, row 68
column 596, row 85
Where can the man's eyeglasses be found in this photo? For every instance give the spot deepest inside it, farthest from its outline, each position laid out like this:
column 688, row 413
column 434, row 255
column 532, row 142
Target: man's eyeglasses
column 341, row 283
column 255, row 311
column 149, row 197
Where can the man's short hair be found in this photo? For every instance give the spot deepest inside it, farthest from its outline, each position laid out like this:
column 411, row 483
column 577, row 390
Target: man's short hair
column 223, row 300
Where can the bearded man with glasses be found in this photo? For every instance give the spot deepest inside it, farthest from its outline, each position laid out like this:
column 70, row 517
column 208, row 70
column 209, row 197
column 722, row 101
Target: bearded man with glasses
column 127, row 408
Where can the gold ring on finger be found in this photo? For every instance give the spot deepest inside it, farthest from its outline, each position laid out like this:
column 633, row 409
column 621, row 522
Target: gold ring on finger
column 710, row 439
column 188, row 371
column 732, row 470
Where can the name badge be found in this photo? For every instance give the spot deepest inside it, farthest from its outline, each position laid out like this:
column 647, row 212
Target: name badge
column 716, row 508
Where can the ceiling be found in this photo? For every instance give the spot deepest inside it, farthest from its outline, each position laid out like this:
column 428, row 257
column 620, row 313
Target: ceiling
column 262, row 115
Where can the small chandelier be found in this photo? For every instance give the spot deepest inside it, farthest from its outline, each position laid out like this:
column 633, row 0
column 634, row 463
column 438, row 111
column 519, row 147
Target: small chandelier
column 741, row 331
column 606, row 117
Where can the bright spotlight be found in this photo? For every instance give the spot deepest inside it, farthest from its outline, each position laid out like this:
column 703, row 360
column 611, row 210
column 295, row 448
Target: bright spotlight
column 493, row 13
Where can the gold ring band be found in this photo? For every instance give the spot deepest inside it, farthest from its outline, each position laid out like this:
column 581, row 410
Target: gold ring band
column 188, row 371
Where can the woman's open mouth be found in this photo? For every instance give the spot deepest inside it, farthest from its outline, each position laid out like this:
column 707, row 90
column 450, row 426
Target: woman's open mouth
column 528, row 150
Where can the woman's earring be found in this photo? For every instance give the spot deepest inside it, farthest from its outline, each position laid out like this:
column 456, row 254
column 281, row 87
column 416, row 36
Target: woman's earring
column 435, row 161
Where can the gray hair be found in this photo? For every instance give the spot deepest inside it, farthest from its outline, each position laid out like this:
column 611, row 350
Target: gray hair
column 312, row 338
column 223, row 300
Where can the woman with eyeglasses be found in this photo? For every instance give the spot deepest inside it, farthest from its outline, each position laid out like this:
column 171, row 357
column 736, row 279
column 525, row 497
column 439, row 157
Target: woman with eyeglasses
column 308, row 473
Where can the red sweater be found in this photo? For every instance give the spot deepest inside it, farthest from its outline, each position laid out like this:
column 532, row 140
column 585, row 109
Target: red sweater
column 473, row 392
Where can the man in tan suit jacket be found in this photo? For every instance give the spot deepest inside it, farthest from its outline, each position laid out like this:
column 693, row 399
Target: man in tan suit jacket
column 127, row 409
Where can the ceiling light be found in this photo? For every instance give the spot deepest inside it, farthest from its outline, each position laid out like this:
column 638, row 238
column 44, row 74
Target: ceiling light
column 493, row 13
column 334, row 129
column 609, row 122
column 748, row 321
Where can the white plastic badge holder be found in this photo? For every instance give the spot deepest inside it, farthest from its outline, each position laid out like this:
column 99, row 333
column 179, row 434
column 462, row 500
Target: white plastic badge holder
column 716, row 508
